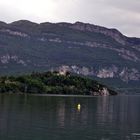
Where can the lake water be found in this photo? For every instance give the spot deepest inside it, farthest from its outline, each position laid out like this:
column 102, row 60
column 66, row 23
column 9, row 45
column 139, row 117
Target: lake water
column 59, row 118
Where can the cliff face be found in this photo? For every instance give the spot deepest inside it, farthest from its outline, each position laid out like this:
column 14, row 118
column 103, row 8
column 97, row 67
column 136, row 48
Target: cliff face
column 113, row 33
column 81, row 48
column 125, row 74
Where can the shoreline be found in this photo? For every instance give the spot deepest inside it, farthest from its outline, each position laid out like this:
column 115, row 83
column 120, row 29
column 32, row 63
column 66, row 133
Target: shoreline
column 54, row 95
column 63, row 95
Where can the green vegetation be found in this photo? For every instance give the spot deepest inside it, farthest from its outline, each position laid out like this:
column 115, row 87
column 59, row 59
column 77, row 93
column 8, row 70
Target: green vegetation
column 52, row 83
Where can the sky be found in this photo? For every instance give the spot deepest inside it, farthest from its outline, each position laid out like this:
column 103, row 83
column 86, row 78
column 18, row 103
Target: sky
column 121, row 14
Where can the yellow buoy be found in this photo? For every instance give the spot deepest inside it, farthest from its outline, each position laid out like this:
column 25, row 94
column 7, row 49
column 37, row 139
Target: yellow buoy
column 78, row 107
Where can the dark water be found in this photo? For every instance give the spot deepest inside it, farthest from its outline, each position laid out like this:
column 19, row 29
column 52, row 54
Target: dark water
column 58, row 118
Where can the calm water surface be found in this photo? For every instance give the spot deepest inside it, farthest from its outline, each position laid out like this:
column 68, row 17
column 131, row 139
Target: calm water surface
column 58, row 118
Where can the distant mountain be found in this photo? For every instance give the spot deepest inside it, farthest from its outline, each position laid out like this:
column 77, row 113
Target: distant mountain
column 82, row 48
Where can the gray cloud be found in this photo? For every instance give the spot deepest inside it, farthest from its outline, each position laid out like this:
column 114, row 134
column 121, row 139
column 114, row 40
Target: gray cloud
column 121, row 14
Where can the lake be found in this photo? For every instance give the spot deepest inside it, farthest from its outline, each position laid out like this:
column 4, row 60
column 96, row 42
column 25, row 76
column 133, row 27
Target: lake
column 60, row 118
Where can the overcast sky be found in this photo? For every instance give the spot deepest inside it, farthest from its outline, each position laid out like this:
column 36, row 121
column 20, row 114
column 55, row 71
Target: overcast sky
column 121, row 14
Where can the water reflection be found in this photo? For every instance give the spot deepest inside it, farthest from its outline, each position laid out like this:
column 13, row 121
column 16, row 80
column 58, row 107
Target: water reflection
column 33, row 118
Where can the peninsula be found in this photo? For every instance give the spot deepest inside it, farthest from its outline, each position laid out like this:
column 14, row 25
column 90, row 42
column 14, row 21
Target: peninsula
column 53, row 83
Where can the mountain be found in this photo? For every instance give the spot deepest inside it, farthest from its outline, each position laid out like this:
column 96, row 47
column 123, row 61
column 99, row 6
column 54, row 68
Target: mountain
column 82, row 48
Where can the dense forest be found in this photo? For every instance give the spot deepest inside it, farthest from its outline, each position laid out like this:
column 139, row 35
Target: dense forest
column 53, row 83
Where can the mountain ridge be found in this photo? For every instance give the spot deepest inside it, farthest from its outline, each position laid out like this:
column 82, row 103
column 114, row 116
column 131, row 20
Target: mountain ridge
column 78, row 47
column 80, row 26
